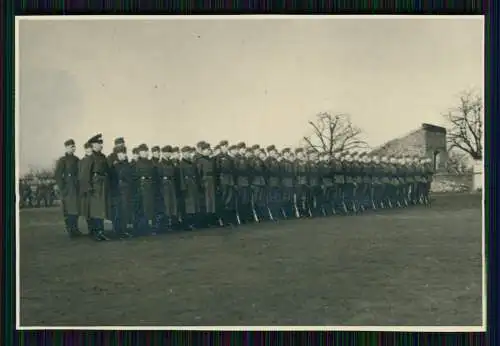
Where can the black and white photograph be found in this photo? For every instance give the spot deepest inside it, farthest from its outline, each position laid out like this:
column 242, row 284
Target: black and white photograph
column 250, row 172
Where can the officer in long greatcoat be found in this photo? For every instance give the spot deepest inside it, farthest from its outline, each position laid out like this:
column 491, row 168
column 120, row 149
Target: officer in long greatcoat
column 145, row 183
column 66, row 175
column 95, row 180
column 207, row 175
column 168, row 177
column 189, row 185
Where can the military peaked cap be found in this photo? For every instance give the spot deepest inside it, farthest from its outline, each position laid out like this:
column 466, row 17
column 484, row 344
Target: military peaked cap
column 155, row 148
column 223, row 143
column 69, row 142
column 200, row 144
column 186, row 149
column 175, row 149
column 143, row 147
column 255, row 147
column 166, row 149
column 135, row 151
column 285, row 150
column 119, row 140
column 271, row 147
column 233, row 147
column 96, row 139
column 241, row 145
column 299, row 150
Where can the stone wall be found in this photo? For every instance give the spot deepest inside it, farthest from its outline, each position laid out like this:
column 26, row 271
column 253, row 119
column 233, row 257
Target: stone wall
column 446, row 182
column 429, row 141
column 414, row 144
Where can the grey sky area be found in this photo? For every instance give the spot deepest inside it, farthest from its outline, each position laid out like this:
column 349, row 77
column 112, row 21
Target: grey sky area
column 259, row 81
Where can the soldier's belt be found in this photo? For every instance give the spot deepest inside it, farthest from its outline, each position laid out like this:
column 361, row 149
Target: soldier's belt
column 146, row 178
column 167, row 178
column 97, row 174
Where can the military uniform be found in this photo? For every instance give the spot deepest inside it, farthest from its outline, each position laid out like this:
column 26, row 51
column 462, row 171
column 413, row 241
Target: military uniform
column 158, row 197
column 325, row 168
column 168, row 175
column 189, row 185
column 207, row 174
column 124, row 188
column 112, row 159
column 315, row 191
column 136, row 205
column 274, row 184
column 85, row 186
column 66, row 175
column 287, row 184
column 95, row 180
column 258, row 185
column 145, row 177
column 301, row 183
column 225, row 169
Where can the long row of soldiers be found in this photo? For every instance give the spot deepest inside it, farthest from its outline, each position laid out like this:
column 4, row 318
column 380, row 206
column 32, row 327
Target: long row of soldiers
column 227, row 185
column 39, row 194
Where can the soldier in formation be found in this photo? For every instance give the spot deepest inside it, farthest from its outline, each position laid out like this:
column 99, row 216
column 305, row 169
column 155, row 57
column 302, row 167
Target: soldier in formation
column 228, row 185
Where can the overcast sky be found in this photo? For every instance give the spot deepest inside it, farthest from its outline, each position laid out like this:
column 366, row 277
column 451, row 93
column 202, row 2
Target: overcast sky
column 256, row 80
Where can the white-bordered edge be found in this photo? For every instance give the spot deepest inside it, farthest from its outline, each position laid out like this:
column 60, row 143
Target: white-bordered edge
column 234, row 328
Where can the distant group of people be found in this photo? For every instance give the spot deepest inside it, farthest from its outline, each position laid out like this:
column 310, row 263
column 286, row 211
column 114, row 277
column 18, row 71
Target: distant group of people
column 39, row 194
column 227, row 185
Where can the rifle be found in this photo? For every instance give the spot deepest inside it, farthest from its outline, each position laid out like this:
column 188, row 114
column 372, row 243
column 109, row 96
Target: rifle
column 255, row 217
column 237, row 204
column 297, row 213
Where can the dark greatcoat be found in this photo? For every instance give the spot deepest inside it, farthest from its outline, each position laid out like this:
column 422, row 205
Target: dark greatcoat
column 84, row 176
column 242, row 175
column 287, row 179
column 99, row 186
column 207, row 174
column 168, row 175
column 259, row 181
column 274, row 180
column 225, row 169
column 124, row 190
column 145, row 177
column 188, row 183
column 66, row 175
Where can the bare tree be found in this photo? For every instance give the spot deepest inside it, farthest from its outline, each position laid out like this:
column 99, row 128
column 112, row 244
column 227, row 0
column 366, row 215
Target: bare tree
column 465, row 130
column 458, row 162
column 334, row 132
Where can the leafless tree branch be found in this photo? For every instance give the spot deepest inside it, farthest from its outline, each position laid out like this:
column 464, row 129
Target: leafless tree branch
column 466, row 124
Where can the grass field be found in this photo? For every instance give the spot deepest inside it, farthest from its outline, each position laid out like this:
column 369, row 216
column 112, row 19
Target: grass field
column 419, row 266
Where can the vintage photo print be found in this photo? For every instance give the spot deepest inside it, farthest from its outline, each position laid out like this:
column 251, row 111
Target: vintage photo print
column 250, row 172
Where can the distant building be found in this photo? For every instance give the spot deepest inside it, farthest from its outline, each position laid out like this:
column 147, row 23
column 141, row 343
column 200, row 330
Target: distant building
column 427, row 141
